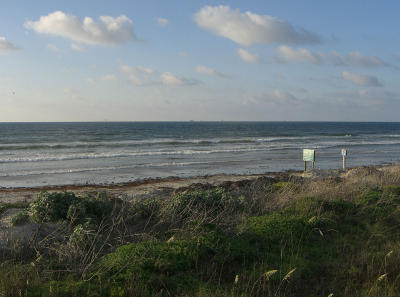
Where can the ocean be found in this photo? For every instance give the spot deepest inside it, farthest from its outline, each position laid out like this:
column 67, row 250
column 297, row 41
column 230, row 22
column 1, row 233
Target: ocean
column 40, row 154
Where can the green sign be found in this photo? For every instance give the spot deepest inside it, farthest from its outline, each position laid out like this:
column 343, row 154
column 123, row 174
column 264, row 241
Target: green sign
column 309, row 155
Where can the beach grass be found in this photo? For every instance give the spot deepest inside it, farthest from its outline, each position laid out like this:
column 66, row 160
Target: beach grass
column 294, row 237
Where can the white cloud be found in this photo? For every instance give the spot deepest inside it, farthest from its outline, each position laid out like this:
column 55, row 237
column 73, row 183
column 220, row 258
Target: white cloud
column 91, row 80
column 109, row 77
column 209, row 71
column 248, row 57
column 127, row 69
column 286, row 53
column 146, row 76
column 162, row 21
column 137, row 69
column 167, row 78
column 77, row 47
column 282, row 96
column 108, row 30
column 250, row 100
column 361, row 80
column 298, row 55
column 146, row 70
column 135, row 80
column 355, row 59
column 373, row 98
column 249, row 28
column 73, row 94
column 6, row 46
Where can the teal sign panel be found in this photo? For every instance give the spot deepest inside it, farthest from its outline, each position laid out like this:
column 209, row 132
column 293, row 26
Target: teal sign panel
column 308, row 155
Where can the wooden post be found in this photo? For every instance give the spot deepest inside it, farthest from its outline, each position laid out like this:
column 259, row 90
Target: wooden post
column 305, row 166
column 313, row 165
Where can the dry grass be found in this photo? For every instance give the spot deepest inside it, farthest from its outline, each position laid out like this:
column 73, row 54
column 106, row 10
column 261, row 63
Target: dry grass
column 350, row 246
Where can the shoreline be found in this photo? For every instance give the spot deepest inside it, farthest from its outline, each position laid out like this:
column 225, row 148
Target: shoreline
column 134, row 189
column 165, row 186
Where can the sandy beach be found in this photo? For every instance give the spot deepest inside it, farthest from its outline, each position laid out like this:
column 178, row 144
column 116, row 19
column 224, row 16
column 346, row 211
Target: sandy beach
column 138, row 189
column 165, row 187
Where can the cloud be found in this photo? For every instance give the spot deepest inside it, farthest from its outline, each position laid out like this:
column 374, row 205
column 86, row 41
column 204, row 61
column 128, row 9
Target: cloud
column 167, row 78
column 139, row 75
column 6, row 46
column 137, row 69
column 77, row 47
column 282, row 96
column 249, row 28
column 299, row 55
column 162, row 21
column 361, row 80
column 109, row 77
column 146, row 76
column 139, row 81
column 373, row 98
column 209, row 71
column 91, row 80
column 108, row 30
column 302, row 55
column 73, row 94
column 248, row 57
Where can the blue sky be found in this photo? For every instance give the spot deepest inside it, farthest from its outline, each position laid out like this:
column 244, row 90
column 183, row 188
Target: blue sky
column 199, row 60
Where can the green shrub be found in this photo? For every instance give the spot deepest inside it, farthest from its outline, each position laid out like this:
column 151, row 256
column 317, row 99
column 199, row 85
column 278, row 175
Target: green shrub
column 144, row 258
column 143, row 209
column 152, row 264
column 96, row 208
column 305, row 206
column 224, row 247
column 85, row 236
column 66, row 288
column 5, row 206
column 371, row 196
column 392, row 193
column 20, row 218
column 281, row 186
column 211, row 201
column 52, row 207
column 392, row 190
column 271, row 229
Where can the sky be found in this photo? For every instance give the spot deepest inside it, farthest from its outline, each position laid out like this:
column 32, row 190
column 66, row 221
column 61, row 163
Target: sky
column 199, row 60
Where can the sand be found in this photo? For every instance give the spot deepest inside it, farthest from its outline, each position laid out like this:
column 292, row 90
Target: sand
column 167, row 186
column 137, row 189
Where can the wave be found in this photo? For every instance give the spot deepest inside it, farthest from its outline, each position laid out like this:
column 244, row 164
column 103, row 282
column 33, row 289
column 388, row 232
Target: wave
column 90, row 169
column 260, row 145
column 149, row 142
column 65, row 157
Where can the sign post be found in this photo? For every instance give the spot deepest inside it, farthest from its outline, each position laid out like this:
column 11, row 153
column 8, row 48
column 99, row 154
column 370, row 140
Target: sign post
column 344, row 154
column 308, row 156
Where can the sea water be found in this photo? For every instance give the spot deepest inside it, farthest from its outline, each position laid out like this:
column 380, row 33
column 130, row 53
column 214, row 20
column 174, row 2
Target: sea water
column 38, row 154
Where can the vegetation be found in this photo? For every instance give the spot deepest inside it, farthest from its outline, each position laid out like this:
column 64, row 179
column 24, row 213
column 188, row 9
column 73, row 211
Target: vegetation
column 5, row 206
column 293, row 241
column 20, row 218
